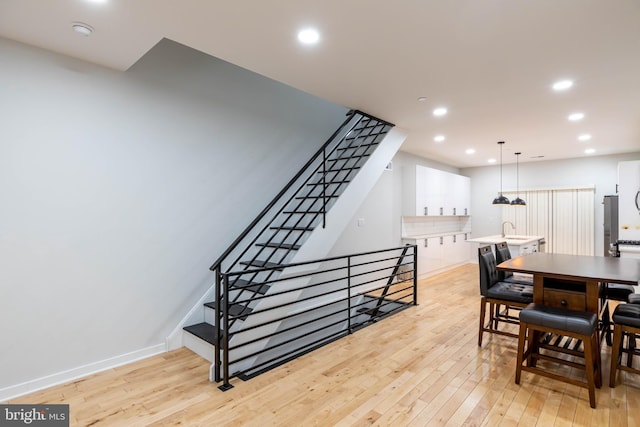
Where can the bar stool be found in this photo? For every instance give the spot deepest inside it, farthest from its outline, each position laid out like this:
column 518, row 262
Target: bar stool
column 626, row 320
column 536, row 319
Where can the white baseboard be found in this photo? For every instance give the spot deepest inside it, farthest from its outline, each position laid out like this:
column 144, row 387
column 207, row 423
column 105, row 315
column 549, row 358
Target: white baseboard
column 27, row 387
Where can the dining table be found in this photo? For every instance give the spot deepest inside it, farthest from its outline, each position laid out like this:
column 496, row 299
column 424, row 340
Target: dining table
column 572, row 281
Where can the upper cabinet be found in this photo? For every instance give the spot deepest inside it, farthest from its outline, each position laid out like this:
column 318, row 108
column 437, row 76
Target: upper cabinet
column 460, row 192
column 437, row 193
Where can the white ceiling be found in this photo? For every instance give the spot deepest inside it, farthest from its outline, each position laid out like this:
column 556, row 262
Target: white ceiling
column 490, row 62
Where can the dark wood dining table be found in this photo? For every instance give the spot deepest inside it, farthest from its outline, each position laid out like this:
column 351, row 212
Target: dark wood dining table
column 573, row 281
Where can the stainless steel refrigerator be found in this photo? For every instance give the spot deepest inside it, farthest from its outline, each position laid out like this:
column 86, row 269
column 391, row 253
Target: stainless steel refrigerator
column 610, row 222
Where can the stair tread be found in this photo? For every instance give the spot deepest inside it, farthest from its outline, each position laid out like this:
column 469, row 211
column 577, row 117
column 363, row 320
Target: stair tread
column 291, row 246
column 235, row 310
column 357, row 156
column 258, row 288
column 351, row 168
column 261, row 263
column 369, row 144
column 287, row 227
column 316, row 197
column 204, row 331
column 344, row 181
column 302, row 212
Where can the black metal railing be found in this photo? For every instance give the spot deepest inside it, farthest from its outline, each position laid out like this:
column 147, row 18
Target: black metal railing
column 280, row 229
column 310, row 304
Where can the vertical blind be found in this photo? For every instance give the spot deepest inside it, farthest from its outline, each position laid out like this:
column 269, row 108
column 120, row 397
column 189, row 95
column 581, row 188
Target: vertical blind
column 564, row 216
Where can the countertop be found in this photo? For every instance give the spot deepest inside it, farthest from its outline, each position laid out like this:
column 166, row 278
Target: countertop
column 512, row 240
column 426, row 236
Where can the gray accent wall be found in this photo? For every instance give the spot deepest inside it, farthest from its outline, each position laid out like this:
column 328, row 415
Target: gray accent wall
column 119, row 190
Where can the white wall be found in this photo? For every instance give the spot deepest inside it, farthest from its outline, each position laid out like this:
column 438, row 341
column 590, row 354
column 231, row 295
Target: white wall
column 382, row 209
column 119, row 190
column 600, row 171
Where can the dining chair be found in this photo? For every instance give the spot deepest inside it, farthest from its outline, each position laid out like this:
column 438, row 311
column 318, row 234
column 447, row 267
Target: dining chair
column 498, row 294
column 626, row 320
column 502, row 254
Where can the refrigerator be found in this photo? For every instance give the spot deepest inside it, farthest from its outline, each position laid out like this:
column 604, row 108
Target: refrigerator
column 628, row 244
column 610, row 223
column 629, row 200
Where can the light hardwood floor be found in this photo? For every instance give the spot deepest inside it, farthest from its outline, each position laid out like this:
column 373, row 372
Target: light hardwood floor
column 421, row 367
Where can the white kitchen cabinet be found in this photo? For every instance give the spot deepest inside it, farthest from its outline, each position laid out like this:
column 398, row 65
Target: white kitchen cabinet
column 461, row 250
column 433, row 250
column 438, row 253
column 527, row 248
column 455, row 250
column 421, row 192
column 518, row 245
column 434, row 198
column 461, row 194
column 437, row 193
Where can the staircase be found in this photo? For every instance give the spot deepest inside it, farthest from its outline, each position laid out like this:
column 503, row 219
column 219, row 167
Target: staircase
column 294, row 225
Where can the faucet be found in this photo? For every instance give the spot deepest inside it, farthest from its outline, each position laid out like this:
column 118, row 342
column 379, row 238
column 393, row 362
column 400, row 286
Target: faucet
column 507, row 222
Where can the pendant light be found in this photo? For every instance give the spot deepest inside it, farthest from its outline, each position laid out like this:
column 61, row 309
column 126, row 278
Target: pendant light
column 500, row 200
column 518, row 201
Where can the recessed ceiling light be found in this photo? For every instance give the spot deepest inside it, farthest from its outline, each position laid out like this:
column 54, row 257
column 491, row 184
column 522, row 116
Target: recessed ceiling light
column 438, row 138
column 491, row 161
column 584, row 137
column 576, row 116
column 470, row 151
column 308, row 36
column 82, row 28
column 96, row 1
column 440, row 111
column 589, row 151
column 422, row 99
column 562, row 85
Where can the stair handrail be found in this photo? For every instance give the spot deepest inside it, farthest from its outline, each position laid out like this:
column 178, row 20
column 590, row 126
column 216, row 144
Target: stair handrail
column 222, row 358
column 350, row 114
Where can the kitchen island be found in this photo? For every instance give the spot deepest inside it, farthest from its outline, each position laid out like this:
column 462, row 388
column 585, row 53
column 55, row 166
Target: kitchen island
column 518, row 245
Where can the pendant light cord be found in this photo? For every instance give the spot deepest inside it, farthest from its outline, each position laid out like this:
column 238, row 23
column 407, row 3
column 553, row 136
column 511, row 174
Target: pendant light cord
column 501, row 169
column 518, row 175
column 501, row 144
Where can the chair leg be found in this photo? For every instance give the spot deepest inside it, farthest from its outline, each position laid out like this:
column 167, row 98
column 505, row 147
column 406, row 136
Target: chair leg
column 590, row 369
column 493, row 310
column 533, row 346
column 522, row 336
column 483, row 309
column 606, row 322
column 615, row 355
column 597, row 359
column 632, row 348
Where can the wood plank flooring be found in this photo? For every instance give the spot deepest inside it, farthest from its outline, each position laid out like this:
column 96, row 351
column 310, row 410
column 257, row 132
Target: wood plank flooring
column 421, row 367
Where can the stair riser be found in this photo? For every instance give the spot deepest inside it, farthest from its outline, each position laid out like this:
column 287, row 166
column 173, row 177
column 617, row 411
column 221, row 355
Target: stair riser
column 198, row 346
